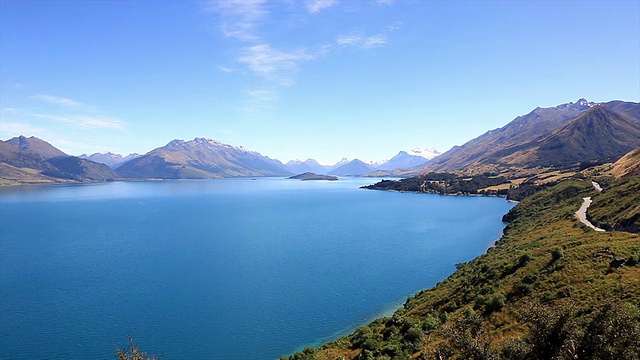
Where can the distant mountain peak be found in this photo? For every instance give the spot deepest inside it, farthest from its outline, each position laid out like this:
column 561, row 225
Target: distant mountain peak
column 427, row 153
column 580, row 105
column 201, row 158
column 35, row 145
column 583, row 102
column 302, row 161
column 206, row 141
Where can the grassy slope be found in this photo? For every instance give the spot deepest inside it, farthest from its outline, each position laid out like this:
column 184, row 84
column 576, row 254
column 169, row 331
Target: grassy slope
column 493, row 306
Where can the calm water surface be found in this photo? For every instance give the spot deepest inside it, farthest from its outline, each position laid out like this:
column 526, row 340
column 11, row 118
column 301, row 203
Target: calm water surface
column 222, row 269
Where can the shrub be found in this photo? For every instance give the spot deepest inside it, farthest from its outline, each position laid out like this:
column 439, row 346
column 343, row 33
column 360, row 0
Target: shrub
column 557, row 254
column 633, row 260
column 495, row 303
column 548, row 297
column 133, row 352
column 524, row 259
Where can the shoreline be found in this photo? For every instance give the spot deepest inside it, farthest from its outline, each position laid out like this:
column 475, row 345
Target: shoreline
column 437, row 193
column 391, row 310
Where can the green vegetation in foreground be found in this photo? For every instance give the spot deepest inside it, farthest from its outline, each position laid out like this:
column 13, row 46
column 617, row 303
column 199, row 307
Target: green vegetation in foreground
column 616, row 208
column 550, row 289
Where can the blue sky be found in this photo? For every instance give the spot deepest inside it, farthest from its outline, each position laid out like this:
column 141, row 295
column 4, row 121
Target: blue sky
column 321, row 79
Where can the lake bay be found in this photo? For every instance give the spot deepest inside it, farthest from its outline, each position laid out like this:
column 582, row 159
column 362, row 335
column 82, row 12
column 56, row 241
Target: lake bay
column 220, row 269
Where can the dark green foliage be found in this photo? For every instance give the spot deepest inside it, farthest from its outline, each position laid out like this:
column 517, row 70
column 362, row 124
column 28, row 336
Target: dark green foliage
column 616, row 208
column 306, row 354
column 524, row 259
column 553, row 334
column 365, row 338
column 441, row 183
column 495, row 303
column 556, row 254
column 133, row 352
column 613, row 333
column 633, row 260
column 467, row 338
column 548, row 297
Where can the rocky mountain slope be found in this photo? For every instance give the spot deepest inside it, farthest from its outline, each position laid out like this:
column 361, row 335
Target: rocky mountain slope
column 568, row 133
column 201, row 158
column 33, row 160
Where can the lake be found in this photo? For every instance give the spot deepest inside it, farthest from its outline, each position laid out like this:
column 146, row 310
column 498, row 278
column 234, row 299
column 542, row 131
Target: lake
column 219, row 269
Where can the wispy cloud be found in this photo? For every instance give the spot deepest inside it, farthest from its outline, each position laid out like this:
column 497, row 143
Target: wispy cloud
column 239, row 17
column 17, row 128
column 225, row 69
column 12, row 110
column 396, row 26
column 58, row 100
column 87, row 122
column 273, row 64
column 361, row 41
column 260, row 100
column 315, row 6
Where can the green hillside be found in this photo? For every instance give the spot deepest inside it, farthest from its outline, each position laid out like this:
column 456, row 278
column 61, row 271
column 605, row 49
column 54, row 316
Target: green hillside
column 550, row 289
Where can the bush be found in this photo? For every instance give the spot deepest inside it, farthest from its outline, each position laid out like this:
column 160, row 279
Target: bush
column 556, row 254
column 495, row 303
column 133, row 352
column 548, row 297
column 524, row 259
column 633, row 260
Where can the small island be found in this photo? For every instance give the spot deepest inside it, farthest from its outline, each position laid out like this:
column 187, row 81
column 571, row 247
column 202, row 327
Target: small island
column 313, row 176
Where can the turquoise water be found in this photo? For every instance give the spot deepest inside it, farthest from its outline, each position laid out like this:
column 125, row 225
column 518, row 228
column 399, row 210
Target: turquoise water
column 221, row 269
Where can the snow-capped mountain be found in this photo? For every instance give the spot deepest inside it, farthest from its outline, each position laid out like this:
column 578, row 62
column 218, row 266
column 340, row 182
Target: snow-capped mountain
column 201, row 158
column 408, row 159
column 427, row 153
column 110, row 159
column 343, row 161
column 352, row 168
column 299, row 166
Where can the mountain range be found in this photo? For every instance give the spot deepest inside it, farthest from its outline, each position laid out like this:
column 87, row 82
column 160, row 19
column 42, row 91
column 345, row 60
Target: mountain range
column 110, row 159
column 201, row 158
column 555, row 137
column 32, row 160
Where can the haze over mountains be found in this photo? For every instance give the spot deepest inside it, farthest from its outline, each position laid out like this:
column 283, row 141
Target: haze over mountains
column 546, row 137
column 110, row 159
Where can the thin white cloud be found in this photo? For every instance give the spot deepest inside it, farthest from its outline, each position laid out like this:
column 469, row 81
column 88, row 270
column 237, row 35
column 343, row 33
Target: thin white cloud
column 225, row 69
column 239, row 17
column 52, row 99
column 273, row 64
column 87, row 122
column 395, row 27
column 10, row 129
column 11, row 110
column 361, row 41
column 259, row 100
column 315, row 6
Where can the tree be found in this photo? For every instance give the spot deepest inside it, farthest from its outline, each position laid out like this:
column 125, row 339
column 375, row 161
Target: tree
column 133, row 352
